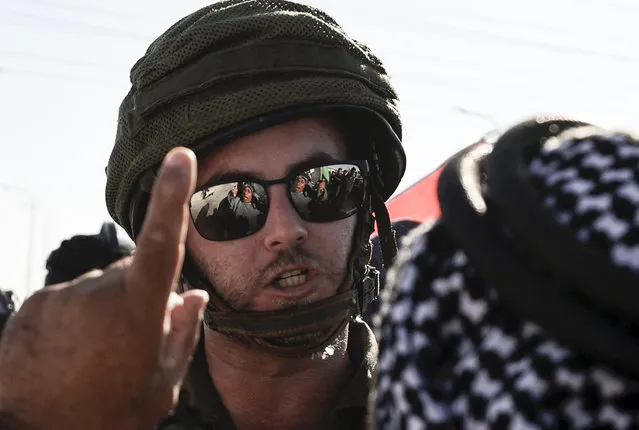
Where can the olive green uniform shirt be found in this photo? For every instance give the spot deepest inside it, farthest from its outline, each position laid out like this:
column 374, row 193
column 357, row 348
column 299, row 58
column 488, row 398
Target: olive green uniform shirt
column 200, row 406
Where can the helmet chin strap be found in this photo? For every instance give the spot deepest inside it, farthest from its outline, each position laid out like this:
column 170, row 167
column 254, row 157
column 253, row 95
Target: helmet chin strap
column 291, row 332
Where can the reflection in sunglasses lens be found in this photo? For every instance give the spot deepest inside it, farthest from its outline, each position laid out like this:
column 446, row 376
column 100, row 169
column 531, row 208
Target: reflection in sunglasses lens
column 232, row 210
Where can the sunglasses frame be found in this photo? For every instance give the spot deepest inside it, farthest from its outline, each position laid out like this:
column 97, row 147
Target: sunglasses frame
column 364, row 170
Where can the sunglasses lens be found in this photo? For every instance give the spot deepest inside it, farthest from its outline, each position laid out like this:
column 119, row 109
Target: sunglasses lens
column 234, row 210
column 328, row 193
column 229, row 211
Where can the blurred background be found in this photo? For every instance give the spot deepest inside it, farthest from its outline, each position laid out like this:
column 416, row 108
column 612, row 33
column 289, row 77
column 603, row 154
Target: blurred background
column 461, row 70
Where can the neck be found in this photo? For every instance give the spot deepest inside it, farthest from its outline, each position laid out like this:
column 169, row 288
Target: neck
column 263, row 391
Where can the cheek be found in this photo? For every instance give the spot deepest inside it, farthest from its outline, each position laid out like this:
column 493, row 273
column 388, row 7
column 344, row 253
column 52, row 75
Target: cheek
column 211, row 256
column 223, row 260
column 336, row 239
column 193, row 240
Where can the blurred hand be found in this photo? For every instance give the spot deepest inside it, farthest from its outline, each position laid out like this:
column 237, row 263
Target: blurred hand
column 109, row 349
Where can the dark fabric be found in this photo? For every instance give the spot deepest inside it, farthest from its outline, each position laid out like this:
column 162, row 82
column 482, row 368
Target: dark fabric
column 454, row 353
column 83, row 253
column 402, row 228
column 7, row 307
column 200, row 406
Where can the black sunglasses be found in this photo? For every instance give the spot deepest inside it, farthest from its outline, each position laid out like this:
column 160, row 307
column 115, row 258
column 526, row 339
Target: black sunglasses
column 238, row 207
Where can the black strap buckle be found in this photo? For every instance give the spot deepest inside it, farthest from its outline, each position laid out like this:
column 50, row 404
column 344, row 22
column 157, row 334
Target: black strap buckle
column 369, row 290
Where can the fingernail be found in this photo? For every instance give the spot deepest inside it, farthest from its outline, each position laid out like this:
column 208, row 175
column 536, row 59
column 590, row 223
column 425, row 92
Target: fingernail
column 205, row 302
column 175, row 159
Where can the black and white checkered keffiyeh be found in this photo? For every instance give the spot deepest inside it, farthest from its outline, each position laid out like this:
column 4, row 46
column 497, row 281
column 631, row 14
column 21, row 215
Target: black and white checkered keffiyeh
column 451, row 357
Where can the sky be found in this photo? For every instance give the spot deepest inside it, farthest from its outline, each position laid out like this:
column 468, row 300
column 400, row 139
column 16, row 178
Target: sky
column 460, row 69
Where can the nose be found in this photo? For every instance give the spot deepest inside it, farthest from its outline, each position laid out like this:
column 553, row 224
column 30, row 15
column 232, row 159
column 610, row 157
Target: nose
column 284, row 228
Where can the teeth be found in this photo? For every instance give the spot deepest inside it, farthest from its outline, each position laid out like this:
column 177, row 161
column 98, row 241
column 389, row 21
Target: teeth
column 291, row 281
column 289, row 274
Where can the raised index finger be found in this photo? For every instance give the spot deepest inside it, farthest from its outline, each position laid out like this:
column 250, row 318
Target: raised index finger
column 160, row 247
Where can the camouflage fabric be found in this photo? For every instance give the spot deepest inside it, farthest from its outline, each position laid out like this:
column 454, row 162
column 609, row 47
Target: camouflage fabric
column 239, row 60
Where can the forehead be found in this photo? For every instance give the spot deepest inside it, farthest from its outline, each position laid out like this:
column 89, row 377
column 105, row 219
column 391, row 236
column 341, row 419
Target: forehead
column 270, row 153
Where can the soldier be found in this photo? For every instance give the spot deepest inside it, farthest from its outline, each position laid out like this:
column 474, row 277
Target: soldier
column 260, row 92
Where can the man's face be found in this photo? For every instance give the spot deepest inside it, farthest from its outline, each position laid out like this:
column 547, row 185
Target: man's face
column 289, row 261
column 301, row 183
column 247, row 195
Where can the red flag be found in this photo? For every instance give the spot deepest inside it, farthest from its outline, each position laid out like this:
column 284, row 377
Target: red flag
column 418, row 202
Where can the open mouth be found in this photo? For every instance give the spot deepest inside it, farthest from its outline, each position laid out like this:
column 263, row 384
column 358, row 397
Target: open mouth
column 293, row 278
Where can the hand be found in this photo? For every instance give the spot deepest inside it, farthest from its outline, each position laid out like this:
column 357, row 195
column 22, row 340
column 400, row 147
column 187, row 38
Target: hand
column 109, row 349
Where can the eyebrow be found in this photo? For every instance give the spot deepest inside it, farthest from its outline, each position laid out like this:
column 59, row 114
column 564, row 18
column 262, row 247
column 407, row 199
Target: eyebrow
column 313, row 160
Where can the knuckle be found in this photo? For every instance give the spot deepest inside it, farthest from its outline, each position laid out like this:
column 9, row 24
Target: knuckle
column 122, row 264
column 167, row 187
column 91, row 274
column 35, row 302
column 155, row 235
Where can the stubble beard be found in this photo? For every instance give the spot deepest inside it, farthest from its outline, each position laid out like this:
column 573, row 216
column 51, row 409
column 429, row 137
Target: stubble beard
column 240, row 299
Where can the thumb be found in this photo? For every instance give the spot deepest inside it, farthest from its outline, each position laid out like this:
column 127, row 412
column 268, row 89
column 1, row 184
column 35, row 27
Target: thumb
column 184, row 333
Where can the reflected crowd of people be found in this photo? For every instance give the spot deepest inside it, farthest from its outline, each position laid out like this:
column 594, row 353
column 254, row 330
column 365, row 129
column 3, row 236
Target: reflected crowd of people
column 239, row 208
